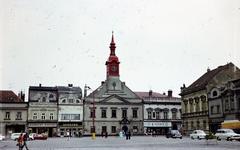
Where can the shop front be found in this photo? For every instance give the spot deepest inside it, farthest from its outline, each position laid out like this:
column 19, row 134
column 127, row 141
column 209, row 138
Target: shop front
column 14, row 128
column 157, row 128
column 75, row 129
column 50, row 129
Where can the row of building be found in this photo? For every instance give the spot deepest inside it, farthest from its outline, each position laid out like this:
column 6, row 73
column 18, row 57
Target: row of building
column 56, row 110
column 114, row 107
column 111, row 108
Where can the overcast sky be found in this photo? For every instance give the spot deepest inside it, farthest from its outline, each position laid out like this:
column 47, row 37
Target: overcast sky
column 160, row 44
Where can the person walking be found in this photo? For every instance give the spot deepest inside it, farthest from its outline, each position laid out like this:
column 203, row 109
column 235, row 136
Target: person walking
column 25, row 138
column 20, row 142
column 68, row 135
column 126, row 134
column 129, row 135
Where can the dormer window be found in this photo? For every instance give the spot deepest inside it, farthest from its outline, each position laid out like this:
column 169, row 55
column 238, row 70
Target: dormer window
column 70, row 100
column 77, row 101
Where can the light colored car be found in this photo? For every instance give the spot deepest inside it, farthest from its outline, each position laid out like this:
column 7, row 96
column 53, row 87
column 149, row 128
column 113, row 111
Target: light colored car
column 198, row 134
column 14, row 136
column 2, row 137
column 32, row 136
column 225, row 134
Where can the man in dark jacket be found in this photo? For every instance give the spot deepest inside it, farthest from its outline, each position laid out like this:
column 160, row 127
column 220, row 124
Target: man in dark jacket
column 25, row 138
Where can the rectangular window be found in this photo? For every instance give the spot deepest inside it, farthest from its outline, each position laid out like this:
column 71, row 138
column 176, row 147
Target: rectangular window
column 51, row 116
column 70, row 100
column 149, row 115
column 92, row 113
column 154, row 115
column 226, row 105
column 65, row 117
column 113, row 129
column 104, row 129
column 157, row 115
column 7, row 116
column 204, row 124
column 212, row 107
column 174, row 115
column 124, row 113
column 34, row 116
column 232, row 103
column 43, row 116
column 135, row 113
column 114, row 113
column 186, row 108
column 218, row 109
column 165, row 115
column 75, row 116
column 19, row 116
column 104, row 113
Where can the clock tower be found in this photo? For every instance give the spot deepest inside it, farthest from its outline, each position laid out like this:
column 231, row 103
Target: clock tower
column 112, row 63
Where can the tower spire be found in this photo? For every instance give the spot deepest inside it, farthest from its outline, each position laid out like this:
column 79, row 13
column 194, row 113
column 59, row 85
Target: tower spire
column 112, row 46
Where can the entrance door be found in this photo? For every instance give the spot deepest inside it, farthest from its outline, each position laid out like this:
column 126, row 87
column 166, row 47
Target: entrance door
column 50, row 130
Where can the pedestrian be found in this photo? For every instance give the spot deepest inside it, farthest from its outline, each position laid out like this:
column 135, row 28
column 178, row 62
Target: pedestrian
column 126, row 134
column 20, row 142
column 25, row 138
column 68, row 135
column 106, row 134
column 129, row 135
column 102, row 133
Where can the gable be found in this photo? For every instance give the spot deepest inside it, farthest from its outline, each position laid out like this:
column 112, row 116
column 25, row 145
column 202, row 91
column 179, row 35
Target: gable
column 114, row 99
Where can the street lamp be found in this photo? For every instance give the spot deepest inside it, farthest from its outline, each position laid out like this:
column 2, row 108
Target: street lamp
column 93, row 110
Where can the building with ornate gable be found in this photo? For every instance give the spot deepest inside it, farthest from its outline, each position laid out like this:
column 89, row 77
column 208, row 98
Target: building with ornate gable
column 113, row 107
column 195, row 98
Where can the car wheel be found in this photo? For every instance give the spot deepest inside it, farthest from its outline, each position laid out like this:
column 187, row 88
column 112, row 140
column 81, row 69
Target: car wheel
column 218, row 139
column 228, row 138
column 180, row 137
column 192, row 138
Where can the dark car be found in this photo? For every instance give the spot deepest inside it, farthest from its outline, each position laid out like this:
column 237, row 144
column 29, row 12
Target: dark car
column 174, row 134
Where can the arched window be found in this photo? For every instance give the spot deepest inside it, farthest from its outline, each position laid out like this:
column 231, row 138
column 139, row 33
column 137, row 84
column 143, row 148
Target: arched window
column 64, row 101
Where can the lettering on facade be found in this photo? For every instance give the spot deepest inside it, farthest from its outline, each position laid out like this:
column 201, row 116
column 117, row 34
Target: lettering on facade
column 157, row 124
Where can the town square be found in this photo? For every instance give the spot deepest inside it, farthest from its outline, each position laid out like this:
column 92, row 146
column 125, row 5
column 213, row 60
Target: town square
column 120, row 75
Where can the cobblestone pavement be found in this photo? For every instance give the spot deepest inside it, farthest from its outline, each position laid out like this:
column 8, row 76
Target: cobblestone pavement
column 136, row 143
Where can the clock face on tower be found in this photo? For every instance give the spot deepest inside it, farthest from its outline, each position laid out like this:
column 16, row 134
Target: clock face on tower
column 114, row 68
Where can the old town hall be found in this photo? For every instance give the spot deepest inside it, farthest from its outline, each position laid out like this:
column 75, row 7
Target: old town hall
column 113, row 107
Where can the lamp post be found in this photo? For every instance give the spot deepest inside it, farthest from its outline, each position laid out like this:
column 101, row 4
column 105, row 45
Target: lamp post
column 93, row 110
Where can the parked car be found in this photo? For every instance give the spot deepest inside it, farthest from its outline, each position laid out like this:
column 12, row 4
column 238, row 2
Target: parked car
column 40, row 137
column 14, row 136
column 226, row 134
column 198, row 134
column 2, row 137
column 32, row 136
column 174, row 134
column 235, row 137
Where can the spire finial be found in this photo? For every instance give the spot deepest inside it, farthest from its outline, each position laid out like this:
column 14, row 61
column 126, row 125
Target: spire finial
column 112, row 46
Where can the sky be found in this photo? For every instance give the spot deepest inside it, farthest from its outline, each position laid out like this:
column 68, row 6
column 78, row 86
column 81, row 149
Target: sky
column 161, row 44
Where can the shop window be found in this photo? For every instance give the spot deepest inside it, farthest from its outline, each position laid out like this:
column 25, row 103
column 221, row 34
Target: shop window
column 204, row 124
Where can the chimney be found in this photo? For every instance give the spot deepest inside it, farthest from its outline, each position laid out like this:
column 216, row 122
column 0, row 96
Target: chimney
column 150, row 93
column 169, row 93
column 208, row 69
column 21, row 95
column 102, row 82
column 70, row 85
column 40, row 85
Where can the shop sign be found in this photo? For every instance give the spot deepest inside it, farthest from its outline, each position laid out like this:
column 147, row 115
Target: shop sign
column 157, row 124
column 42, row 125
